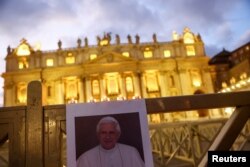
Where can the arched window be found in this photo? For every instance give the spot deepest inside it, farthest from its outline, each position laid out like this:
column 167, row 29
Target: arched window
column 129, row 84
column 95, row 87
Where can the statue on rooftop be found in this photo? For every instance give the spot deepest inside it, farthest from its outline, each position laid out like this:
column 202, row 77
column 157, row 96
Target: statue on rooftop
column 154, row 38
column 117, row 39
column 86, row 42
column 9, row 50
column 59, row 44
column 137, row 39
column 98, row 40
column 129, row 39
column 79, row 42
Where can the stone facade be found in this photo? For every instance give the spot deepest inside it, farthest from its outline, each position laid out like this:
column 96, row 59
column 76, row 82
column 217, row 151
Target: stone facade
column 232, row 69
column 109, row 70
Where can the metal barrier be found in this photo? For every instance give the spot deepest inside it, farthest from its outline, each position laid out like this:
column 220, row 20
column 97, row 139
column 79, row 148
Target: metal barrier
column 36, row 133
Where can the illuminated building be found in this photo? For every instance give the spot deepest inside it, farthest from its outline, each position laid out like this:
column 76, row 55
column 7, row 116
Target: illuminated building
column 232, row 69
column 110, row 70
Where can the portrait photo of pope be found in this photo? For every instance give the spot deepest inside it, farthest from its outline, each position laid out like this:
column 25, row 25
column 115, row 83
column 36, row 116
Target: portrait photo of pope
column 108, row 134
column 112, row 144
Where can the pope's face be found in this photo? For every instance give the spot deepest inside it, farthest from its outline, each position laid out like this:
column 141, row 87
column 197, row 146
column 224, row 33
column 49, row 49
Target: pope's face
column 108, row 135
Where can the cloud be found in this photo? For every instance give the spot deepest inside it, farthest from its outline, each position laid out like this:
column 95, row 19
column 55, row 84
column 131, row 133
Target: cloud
column 21, row 17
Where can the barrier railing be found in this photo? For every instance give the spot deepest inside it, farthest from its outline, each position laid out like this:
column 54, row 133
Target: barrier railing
column 36, row 133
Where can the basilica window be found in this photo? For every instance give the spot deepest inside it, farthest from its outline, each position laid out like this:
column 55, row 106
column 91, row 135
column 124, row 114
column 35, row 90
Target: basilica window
column 49, row 62
column 23, row 63
column 92, row 56
column 167, row 53
column 188, row 37
column 22, row 93
column 23, row 50
column 125, row 54
column 112, row 85
column 148, row 53
column 151, row 82
column 71, row 89
column 129, row 85
column 196, row 78
column 95, row 87
column 190, row 50
column 70, row 59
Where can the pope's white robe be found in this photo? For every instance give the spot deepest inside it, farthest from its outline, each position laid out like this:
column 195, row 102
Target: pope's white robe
column 120, row 156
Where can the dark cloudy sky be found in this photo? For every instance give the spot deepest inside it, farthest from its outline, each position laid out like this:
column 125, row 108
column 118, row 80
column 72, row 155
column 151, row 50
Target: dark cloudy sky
column 221, row 23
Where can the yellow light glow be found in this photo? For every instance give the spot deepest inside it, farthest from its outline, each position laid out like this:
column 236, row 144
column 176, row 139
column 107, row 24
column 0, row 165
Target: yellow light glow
column 196, row 83
column 148, row 53
column 188, row 37
column 190, row 50
column 232, row 80
column 23, row 50
column 224, row 84
column 104, row 42
column 49, row 62
column 229, row 110
column 92, row 56
column 23, row 64
column 22, row 93
column 243, row 76
column 70, row 60
column 20, row 65
column 129, row 84
column 167, row 53
column 126, row 54
column 238, row 85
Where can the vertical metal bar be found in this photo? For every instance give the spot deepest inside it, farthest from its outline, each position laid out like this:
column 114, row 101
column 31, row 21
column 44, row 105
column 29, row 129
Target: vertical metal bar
column 229, row 132
column 34, row 126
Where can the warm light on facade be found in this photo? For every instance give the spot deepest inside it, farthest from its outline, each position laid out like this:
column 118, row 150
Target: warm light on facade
column 92, row 56
column 188, row 37
column 167, row 53
column 229, row 110
column 196, row 83
column 224, row 84
column 112, row 84
column 70, row 59
column 129, row 84
column 126, row 54
column 22, row 93
column 151, row 82
column 104, row 42
column 23, row 50
column 49, row 62
column 232, row 80
column 190, row 50
column 148, row 53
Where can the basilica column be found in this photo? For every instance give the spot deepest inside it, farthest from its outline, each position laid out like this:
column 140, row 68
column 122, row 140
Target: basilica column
column 207, row 80
column 163, row 83
column 102, row 86
column 80, row 90
column 60, row 91
column 143, row 85
column 88, row 89
column 9, row 95
column 122, row 85
column 137, row 85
